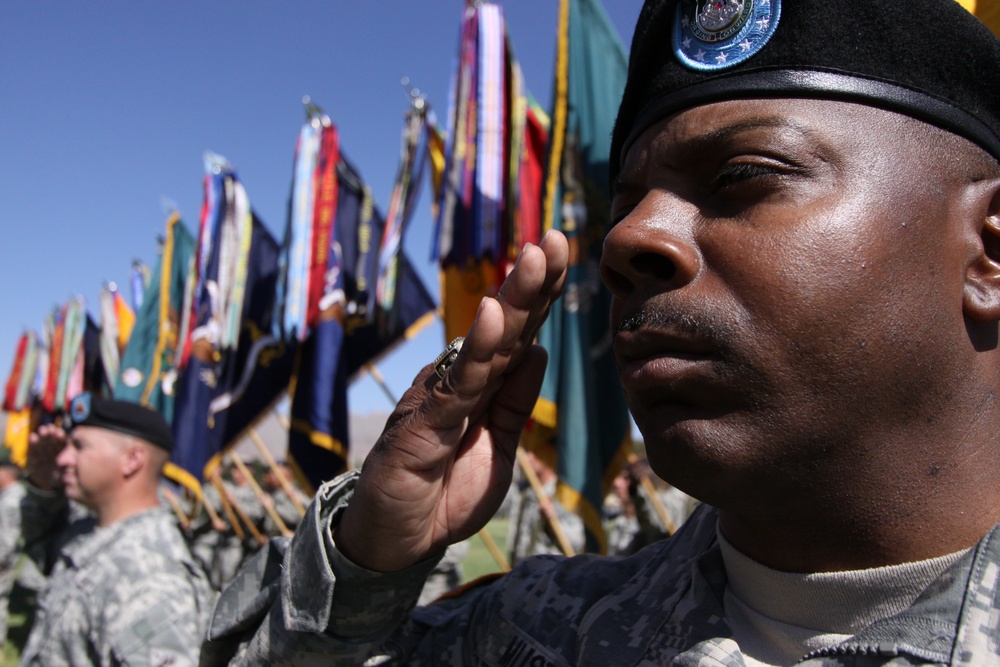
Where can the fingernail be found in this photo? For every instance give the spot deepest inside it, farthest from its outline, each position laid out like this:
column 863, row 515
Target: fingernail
column 521, row 254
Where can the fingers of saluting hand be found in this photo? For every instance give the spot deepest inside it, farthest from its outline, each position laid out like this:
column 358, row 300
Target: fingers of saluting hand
column 503, row 330
column 535, row 282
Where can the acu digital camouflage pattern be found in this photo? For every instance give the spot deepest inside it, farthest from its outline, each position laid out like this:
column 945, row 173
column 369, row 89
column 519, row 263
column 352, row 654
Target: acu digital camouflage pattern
column 10, row 538
column 286, row 509
column 126, row 594
column 301, row 603
column 222, row 553
column 529, row 532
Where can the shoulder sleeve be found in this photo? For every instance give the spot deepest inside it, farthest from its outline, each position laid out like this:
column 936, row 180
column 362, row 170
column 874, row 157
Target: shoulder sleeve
column 161, row 623
column 301, row 602
column 301, row 599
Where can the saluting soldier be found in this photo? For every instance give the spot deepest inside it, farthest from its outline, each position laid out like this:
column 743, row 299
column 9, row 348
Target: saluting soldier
column 124, row 589
column 805, row 270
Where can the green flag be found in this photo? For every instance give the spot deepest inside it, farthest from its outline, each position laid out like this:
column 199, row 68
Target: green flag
column 582, row 410
column 147, row 367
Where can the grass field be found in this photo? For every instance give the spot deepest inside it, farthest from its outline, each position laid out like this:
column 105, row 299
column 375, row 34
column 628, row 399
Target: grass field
column 22, row 602
column 478, row 562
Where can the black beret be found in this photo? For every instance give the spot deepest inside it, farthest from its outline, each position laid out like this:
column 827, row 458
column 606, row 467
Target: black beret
column 122, row 416
column 929, row 59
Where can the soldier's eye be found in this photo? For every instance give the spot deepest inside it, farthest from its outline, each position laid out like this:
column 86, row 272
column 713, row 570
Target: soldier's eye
column 734, row 174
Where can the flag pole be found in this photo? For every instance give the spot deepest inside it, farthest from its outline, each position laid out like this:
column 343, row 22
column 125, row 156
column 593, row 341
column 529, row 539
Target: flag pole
column 226, row 507
column 209, row 510
column 380, row 381
column 282, row 480
column 262, row 497
column 494, row 550
column 282, row 420
column 257, row 535
column 543, row 499
column 175, row 505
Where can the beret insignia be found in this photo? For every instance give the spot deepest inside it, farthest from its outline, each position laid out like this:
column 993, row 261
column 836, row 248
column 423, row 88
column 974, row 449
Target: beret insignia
column 716, row 34
column 79, row 409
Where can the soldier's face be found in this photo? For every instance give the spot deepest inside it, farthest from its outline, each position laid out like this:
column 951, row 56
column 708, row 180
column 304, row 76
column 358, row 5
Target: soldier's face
column 90, row 465
column 784, row 281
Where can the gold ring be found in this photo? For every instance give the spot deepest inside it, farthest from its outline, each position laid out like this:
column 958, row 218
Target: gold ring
column 447, row 358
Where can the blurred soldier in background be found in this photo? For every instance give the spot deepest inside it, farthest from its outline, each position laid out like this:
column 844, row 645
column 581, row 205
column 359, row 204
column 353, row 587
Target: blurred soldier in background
column 124, row 588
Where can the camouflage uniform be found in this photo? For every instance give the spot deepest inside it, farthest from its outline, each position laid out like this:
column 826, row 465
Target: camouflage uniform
column 10, row 540
column 286, row 509
column 662, row 606
column 628, row 534
column 447, row 574
column 124, row 594
column 221, row 554
column 247, row 499
column 529, row 532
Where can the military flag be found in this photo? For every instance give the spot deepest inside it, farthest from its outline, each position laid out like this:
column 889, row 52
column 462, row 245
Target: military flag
column 315, row 306
column 139, row 278
column 148, row 369
column 19, row 395
column 480, row 205
column 89, row 373
column 233, row 366
column 117, row 321
column 22, row 381
column 334, row 221
column 581, row 411
column 413, row 156
column 16, row 435
column 66, row 327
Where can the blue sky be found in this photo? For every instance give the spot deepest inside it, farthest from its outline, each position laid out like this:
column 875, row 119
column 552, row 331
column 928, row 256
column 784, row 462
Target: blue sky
column 107, row 107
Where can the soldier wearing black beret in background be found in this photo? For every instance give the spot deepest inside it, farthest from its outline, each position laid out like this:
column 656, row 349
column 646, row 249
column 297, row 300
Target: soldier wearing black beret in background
column 124, row 589
column 806, row 276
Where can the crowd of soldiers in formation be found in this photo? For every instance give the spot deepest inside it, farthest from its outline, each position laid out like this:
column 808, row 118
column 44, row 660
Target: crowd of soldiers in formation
column 242, row 508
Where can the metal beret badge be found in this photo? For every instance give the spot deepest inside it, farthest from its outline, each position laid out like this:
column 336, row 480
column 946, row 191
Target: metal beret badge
column 716, row 34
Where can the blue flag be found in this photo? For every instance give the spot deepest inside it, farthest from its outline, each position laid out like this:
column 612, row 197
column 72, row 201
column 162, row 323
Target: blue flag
column 351, row 332
column 235, row 369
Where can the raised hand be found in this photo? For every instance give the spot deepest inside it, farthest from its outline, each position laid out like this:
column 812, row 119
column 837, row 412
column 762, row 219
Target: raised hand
column 44, row 445
column 443, row 464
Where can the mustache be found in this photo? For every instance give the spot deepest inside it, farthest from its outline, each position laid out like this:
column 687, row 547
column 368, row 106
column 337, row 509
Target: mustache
column 706, row 327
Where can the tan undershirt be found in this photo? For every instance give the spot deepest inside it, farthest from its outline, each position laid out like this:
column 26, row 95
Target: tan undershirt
column 779, row 617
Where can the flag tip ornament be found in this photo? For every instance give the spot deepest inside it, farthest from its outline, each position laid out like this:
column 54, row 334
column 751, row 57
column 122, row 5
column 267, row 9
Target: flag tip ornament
column 168, row 205
column 417, row 98
column 216, row 163
column 314, row 112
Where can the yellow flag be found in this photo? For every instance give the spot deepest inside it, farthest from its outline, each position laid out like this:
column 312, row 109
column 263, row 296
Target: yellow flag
column 126, row 320
column 462, row 288
column 987, row 11
column 16, row 437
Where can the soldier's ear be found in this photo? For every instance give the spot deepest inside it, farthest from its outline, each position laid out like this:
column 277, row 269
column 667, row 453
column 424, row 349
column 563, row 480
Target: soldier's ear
column 981, row 296
column 134, row 457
